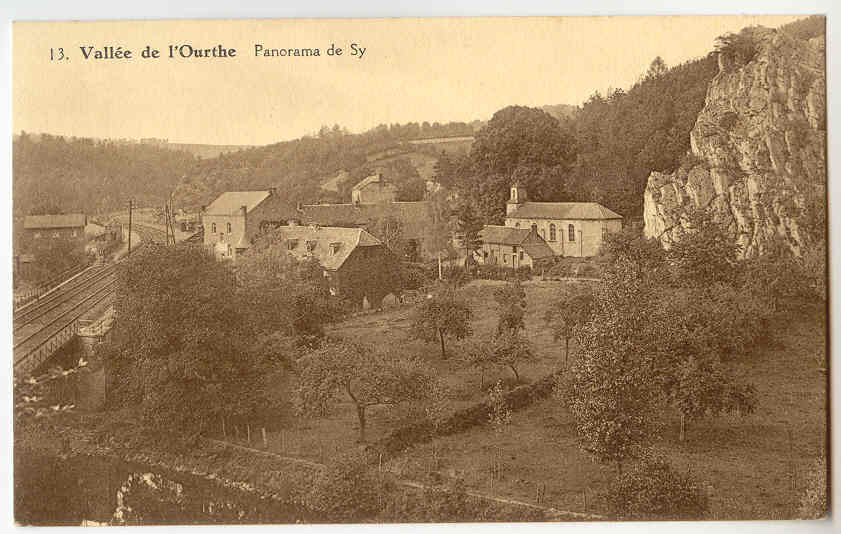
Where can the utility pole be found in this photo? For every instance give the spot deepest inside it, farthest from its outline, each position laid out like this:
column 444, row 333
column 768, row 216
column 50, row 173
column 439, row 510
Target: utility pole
column 129, row 226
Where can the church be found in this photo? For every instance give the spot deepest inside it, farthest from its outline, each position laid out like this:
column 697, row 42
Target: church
column 571, row 229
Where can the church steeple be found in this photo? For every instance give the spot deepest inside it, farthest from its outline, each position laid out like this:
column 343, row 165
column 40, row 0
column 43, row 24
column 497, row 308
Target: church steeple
column 517, row 198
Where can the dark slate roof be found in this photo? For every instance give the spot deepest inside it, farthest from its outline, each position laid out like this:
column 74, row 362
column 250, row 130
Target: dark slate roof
column 538, row 250
column 230, row 202
column 503, row 235
column 69, row 220
column 563, row 210
column 534, row 245
column 413, row 215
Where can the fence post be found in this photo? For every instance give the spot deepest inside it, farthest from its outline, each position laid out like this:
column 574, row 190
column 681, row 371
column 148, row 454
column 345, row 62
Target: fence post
column 265, row 441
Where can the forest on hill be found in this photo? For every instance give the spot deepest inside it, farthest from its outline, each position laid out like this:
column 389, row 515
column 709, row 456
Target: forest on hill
column 602, row 151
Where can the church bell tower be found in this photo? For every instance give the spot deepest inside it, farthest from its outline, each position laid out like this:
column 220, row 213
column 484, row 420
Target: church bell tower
column 518, row 197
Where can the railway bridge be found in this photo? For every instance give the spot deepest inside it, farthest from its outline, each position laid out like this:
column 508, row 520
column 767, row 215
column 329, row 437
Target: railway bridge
column 43, row 326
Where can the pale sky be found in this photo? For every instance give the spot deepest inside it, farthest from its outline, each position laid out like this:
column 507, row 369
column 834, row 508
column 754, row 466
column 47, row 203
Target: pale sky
column 437, row 69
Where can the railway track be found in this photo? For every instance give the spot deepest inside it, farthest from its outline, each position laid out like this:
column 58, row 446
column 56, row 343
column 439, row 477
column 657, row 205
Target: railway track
column 44, row 325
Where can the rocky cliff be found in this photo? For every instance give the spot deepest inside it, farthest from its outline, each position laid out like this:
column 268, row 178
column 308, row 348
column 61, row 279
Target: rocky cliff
column 758, row 148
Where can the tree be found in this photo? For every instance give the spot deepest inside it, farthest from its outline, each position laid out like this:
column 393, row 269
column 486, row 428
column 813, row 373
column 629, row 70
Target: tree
column 569, row 314
column 656, row 69
column 707, row 253
column 364, row 377
column 511, row 305
column 654, row 491
column 178, row 349
column 437, row 233
column 444, row 314
column 522, row 144
column 469, row 227
column 511, row 349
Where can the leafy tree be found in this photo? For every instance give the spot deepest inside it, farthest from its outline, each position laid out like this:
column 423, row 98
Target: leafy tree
column 654, row 491
column 444, row 314
column 347, row 490
column 362, row 376
column 511, row 304
column 511, row 349
column 469, row 227
column 707, row 252
column 522, row 144
column 178, row 350
column 283, row 294
column 437, row 233
column 569, row 314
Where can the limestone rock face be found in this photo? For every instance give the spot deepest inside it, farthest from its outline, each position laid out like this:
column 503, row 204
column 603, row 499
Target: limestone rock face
column 758, row 150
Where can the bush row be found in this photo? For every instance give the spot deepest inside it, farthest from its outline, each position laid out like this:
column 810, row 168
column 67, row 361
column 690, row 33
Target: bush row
column 461, row 420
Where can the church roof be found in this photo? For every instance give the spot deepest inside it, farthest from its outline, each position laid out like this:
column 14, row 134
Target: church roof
column 563, row 210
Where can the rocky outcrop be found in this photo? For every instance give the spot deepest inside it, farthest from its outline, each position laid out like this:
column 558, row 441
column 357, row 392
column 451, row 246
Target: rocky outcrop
column 758, row 149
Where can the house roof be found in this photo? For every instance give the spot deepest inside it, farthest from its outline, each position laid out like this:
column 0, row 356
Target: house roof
column 69, row 220
column 563, row 210
column 503, row 235
column 533, row 245
column 229, row 203
column 331, row 245
column 413, row 215
column 374, row 178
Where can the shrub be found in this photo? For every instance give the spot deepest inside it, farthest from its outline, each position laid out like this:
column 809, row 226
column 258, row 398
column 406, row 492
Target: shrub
column 740, row 48
column 653, row 490
column 348, row 489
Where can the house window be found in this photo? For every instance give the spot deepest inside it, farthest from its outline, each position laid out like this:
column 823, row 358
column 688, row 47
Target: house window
column 311, row 245
column 521, row 255
column 213, row 228
column 552, row 235
column 516, row 225
column 334, row 247
column 229, row 228
column 604, row 233
column 291, row 244
column 571, row 233
column 485, row 254
column 534, row 227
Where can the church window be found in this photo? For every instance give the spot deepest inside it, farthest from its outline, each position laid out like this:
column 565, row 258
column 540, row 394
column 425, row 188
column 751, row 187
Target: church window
column 552, row 235
column 571, row 233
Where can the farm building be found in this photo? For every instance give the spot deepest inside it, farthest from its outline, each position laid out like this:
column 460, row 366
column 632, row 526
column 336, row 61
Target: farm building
column 569, row 228
column 512, row 247
column 233, row 220
column 357, row 264
column 70, row 226
column 373, row 189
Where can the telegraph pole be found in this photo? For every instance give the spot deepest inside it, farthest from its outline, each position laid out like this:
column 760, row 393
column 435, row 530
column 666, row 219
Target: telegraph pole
column 129, row 226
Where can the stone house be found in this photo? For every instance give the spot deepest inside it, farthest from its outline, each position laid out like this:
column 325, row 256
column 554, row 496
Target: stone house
column 512, row 247
column 357, row 265
column 69, row 227
column 373, row 189
column 573, row 229
column 233, row 220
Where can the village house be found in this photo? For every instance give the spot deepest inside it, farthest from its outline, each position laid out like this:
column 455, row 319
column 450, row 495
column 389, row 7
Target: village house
column 373, row 189
column 573, row 229
column 512, row 247
column 233, row 220
column 357, row 265
column 69, row 227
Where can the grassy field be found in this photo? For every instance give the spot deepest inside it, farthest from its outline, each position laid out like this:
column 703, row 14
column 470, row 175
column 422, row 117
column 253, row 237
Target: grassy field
column 753, row 466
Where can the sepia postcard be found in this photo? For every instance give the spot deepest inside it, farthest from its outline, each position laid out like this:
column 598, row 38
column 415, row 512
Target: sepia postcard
column 420, row 270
